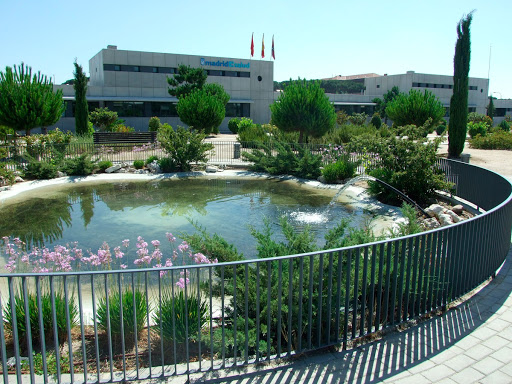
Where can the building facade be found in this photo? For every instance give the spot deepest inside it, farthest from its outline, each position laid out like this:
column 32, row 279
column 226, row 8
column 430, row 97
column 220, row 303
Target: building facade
column 134, row 84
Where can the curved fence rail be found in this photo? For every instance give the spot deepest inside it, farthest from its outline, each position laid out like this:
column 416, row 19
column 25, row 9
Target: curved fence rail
column 138, row 324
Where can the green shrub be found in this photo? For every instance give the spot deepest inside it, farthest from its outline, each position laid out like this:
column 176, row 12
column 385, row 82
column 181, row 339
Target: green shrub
column 40, row 170
column 78, row 166
column 104, row 164
column 184, row 147
column 6, row 175
column 150, row 159
column 47, row 314
column 496, row 140
column 154, row 124
column 279, row 158
column 173, row 318
column 346, row 133
column 253, row 133
column 233, row 125
column 167, row 165
column 90, row 128
column 138, row 164
column 358, row 118
column 342, row 169
column 504, row 126
column 51, row 363
column 376, row 120
column 135, row 309
column 475, row 117
column 440, row 129
column 477, row 128
column 407, row 165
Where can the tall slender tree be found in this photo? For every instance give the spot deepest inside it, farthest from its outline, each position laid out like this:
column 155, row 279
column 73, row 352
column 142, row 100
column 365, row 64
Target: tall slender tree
column 81, row 108
column 459, row 101
column 491, row 109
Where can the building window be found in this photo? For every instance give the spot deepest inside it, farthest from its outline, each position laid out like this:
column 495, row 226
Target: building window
column 245, row 74
column 378, row 85
column 155, row 69
column 163, row 109
column 473, row 88
column 471, row 109
column 238, row 110
column 136, row 68
column 117, row 67
column 127, row 108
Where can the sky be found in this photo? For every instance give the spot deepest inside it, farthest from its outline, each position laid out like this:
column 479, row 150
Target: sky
column 313, row 39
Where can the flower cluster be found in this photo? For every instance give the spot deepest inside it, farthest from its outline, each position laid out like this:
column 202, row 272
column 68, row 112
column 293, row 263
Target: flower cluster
column 332, row 153
column 66, row 258
column 145, row 147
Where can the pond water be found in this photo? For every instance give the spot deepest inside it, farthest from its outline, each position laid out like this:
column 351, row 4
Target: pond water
column 93, row 213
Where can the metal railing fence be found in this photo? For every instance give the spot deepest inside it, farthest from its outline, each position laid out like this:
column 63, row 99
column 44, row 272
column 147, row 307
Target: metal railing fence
column 224, row 152
column 107, row 326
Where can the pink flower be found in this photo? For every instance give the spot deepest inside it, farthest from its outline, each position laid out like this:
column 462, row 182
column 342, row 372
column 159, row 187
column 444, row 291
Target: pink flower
column 155, row 243
column 183, row 246
column 126, row 243
column 170, row 237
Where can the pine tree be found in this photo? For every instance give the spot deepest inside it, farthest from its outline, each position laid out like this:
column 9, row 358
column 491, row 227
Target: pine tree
column 81, row 108
column 491, row 109
column 27, row 101
column 459, row 101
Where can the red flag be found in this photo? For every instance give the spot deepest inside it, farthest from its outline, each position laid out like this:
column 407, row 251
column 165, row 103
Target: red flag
column 263, row 47
column 252, row 45
column 273, row 52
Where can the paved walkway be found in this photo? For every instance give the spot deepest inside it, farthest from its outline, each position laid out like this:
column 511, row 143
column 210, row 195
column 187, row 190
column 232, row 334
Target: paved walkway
column 471, row 343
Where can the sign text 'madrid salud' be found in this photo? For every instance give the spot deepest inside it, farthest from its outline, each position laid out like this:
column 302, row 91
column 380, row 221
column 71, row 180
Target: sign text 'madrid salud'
column 224, row 63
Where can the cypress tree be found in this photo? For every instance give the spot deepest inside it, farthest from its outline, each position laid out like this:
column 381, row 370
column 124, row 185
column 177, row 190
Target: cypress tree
column 81, row 108
column 459, row 101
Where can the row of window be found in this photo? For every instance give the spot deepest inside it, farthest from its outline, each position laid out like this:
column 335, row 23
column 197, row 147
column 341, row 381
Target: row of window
column 169, row 70
column 445, row 86
column 153, row 108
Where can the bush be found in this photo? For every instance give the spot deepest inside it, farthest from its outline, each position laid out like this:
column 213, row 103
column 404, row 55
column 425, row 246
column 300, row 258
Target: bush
column 358, row 118
column 233, row 125
column 135, row 309
column 166, row 165
column 40, row 170
column 150, row 159
column 496, row 140
column 477, row 128
column 407, row 165
column 376, row 120
column 440, row 129
column 173, row 317
column 6, row 175
column 154, row 124
column 104, row 164
column 278, row 158
column 341, row 117
column 78, row 166
column 254, row 133
column 138, row 164
column 475, row 117
column 504, row 126
column 47, row 314
column 342, row 169
column 184, row 147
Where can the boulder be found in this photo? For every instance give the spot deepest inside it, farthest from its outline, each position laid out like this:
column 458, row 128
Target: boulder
column 434, row 210
column 211, row 169
column 114, row 168
column 154, row 167
column 445, row 219
column 431, row 223
column 455, row 218
column 458, row 209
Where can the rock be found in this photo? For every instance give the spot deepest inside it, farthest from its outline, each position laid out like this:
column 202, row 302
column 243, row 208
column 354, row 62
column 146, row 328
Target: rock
column 113, row 168
column 455, row 218
column 154, row 167
column 61, row 174
column 445, row 219
column 436, row 209
column 321, row 179
column 18, row 179
column 431, row 223
column 211, row 169
column 458, row 209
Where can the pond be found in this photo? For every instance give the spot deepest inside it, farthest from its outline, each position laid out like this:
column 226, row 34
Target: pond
column 91, row 213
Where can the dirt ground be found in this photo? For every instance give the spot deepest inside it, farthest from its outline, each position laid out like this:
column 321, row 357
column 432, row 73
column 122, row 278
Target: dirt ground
column 499, row 161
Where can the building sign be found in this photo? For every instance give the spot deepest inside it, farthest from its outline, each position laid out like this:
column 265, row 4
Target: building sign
column 224, row 63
